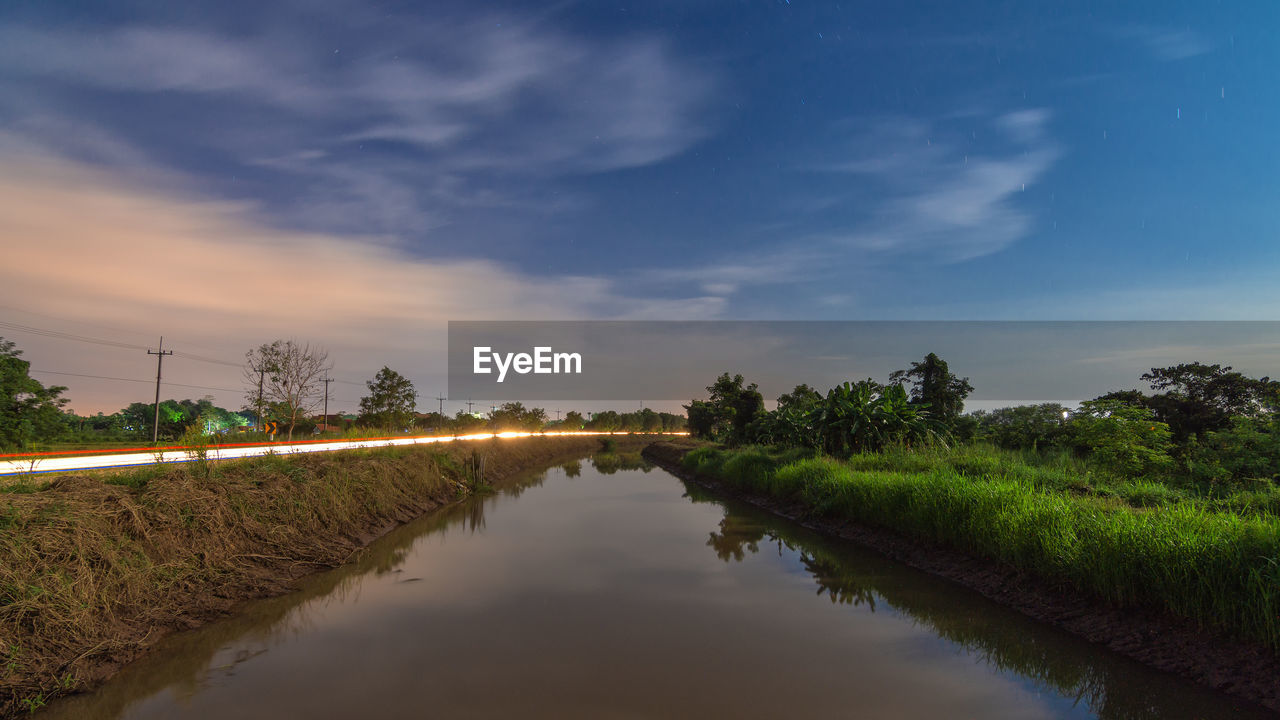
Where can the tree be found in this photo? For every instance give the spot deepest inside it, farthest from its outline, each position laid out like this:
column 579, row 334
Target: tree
column 866, row 416
column 289, row 376
column 1023, row 426
column 1120, row 438
column 736, row 405
column 465, row 423
column 1201, row 398
column 28, row 410
column 391, row 401
column 702, row 419
column 573, row 420
column 430, row 421
column 802, row 397
column 935, row 387
column 515, row 416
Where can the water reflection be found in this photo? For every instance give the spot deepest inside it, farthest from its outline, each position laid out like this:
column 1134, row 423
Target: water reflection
column 596, row 596
column 608, row 463
column 187, row 663
column 1110, row 686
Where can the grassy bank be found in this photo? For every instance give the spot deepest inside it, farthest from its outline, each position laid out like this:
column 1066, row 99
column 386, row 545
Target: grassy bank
column 95, row 568
column 1217, row 567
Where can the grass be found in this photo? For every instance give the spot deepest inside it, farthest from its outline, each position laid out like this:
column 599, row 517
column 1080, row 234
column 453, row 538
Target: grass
column 1133, row 544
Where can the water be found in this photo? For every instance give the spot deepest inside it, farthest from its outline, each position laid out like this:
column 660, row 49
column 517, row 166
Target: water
column 624, row 594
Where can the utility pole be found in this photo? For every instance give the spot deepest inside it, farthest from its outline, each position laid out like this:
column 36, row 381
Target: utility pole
column 469, row 404
column 441, row 398
column 326, row 403
column 557, row 415
column 155, row 427
column 262, row 372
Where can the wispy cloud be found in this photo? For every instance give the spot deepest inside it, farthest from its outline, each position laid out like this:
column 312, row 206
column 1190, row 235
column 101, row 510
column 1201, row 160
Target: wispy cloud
column 941, row 198
column 407, row 128
column 925, row 194
column 1166, row 44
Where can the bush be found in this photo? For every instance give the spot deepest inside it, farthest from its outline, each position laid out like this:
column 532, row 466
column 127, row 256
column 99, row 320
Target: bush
column 1121, row 439
column 1248, row 450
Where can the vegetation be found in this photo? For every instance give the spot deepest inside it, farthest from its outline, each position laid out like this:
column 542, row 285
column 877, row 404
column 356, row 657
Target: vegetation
column 284, row 380
column 1167, row 500
column 32, row 418
column 390, row 402
column 28, row 409
column 852, row 417
column 1134, row 546
column 1207, row 431
column 643, row 420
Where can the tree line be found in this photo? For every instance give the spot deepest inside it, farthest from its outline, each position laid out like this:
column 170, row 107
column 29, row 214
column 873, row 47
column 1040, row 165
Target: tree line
column 284, row 382
column 1198, row 422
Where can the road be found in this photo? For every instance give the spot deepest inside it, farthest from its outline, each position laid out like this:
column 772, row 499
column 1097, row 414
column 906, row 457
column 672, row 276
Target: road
column 50, row 463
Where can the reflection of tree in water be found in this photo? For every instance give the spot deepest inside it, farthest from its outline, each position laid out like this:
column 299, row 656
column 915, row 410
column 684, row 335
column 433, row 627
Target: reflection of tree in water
column 608, row 463
column 1110, row 686
column 473, row 515
column 524, row 483
column 837, row 582
column 572, row 469
column 187, row 660
column 736, row 534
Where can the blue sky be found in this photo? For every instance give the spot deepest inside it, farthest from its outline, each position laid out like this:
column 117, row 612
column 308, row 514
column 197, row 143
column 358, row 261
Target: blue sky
column 666, row 160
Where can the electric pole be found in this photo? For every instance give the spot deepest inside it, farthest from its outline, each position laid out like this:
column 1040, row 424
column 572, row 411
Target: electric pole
column 557, row 415
column 262, row 372
column 469, row 404
column 155, row 427
column 326, row 403
column 441, row 398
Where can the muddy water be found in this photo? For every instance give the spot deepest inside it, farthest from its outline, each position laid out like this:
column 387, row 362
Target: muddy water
column 628, row 593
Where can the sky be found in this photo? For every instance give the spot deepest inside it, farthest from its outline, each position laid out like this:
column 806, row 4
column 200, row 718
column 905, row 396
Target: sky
column 356, row 174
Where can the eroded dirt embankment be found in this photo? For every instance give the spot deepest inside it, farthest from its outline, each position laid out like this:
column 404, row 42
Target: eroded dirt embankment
column 93, row 573
column 1159, row 640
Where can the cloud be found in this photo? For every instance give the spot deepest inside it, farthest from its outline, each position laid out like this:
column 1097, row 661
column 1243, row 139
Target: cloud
column 487, row 109
column 929, row 195
column 1167, row 44
column 82, row 243
column 941, row 199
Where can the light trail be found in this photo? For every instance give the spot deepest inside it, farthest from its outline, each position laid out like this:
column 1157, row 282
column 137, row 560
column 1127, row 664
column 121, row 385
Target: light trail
column 36, row 464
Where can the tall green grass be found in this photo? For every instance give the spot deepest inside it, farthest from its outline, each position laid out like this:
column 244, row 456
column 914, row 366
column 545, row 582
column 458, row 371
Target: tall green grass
column 1192, row 558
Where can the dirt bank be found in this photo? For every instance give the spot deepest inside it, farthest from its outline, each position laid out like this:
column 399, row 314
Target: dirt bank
column 96, row 569
column 1168, row 643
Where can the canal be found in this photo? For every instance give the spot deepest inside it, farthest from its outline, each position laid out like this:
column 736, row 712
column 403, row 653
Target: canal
column 621, row 591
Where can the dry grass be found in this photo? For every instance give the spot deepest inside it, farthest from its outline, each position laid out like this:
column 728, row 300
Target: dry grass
column 94, row 569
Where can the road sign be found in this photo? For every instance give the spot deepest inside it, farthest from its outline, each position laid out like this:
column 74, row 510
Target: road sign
column 270, row 428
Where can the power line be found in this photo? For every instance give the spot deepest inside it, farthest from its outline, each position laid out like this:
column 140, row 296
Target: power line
column 69, row 336
column 60, row 335
column 132, row 380
column 74, row 322
column 201, row 358
column 96, row 325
